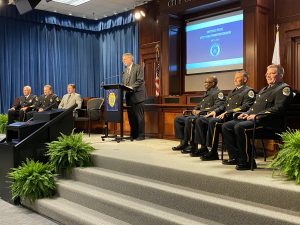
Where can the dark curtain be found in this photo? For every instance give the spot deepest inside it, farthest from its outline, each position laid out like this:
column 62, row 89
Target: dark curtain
column 39, row 49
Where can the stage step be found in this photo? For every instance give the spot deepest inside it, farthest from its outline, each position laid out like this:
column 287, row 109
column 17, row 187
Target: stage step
column 70, row 213
column 193, row 202
column 158, row 186
column 205, row 181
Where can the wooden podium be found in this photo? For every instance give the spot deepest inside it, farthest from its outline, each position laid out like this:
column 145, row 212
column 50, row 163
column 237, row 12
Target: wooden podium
column 113, row 108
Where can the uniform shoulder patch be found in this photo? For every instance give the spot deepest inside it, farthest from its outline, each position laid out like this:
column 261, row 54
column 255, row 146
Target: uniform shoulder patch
column 286, row 91
column 251, row 94
column 221, row 95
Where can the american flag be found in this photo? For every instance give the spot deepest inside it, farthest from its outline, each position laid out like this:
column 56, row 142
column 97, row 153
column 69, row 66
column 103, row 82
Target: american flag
column 157, row 70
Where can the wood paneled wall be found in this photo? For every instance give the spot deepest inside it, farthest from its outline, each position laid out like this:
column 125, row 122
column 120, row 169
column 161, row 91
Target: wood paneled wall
column 287, row 14
column 165, row 26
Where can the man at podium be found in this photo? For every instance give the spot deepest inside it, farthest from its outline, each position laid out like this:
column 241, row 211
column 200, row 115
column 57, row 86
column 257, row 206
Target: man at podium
column 133, row 77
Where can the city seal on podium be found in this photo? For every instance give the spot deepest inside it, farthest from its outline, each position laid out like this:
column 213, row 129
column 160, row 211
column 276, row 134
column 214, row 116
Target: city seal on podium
column 112, row 99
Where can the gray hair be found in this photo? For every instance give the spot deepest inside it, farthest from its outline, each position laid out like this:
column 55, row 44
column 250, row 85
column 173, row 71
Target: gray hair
column 127, row 54
column 279, row 69
column 27, row 87
column 244, row 73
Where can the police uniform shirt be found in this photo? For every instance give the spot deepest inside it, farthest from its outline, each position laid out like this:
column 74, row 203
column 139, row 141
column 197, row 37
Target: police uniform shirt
column 238, row 100
column 28, row 101
column 47, row 101
column 212, row 99
column 272, row 99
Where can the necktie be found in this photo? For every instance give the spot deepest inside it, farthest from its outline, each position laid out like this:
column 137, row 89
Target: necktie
column 68, row 98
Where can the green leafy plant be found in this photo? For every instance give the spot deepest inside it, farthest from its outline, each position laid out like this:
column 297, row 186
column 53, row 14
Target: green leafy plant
column 288, row 158
column 68, row 152
column 3, row 122
column 32, row 180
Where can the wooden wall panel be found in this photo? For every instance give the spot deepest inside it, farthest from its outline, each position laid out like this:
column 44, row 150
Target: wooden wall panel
column 168, row 131
column 148, row 59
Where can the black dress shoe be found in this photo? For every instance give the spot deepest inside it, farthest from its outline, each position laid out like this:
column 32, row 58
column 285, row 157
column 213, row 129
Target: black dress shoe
column 229, row 162
column 245, row 166
column 210, row 156
column 199, row 152
column 180, row 147
column 140, row 138
column 187, row 150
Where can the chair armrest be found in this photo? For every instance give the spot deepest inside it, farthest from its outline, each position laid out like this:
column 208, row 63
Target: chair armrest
column 260, row 115
column 187, row 112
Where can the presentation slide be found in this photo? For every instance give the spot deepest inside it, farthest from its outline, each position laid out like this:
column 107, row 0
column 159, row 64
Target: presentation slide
column 215, row 44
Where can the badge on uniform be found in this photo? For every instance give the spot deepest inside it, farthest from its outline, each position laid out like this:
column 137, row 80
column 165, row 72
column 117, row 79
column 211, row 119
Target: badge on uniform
column 286, row 91
column 57, row 99
column 51, row 100
column 251, row 94
column 30, row 101
column 221, row 95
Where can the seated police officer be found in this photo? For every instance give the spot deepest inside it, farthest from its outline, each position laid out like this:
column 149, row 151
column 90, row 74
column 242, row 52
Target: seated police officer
column 212, row 99
column 26, row 103
column 272, row 100
column 207, row 128
column 47, row 101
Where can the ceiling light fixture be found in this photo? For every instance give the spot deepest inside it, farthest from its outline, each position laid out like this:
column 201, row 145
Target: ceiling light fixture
column 138, row 10
column 71, row 2
column 138, row 14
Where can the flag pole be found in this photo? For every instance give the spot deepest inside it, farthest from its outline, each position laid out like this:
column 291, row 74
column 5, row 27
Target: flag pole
column 276, row 52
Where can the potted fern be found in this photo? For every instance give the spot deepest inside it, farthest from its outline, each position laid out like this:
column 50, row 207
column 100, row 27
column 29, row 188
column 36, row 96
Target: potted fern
column 32, row 180
column 68, row 152
column 3, row 122
column 288, row 158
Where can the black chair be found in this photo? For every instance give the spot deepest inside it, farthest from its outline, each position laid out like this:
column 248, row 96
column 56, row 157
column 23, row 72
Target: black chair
column 91, row 113
column 265, row 133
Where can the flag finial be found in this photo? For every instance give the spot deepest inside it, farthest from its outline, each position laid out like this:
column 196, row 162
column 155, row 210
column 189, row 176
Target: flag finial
column 277, row 27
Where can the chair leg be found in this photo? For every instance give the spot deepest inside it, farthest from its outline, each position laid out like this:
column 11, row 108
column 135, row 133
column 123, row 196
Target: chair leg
column 89, row 127
column 222, row 147
column 263, row 145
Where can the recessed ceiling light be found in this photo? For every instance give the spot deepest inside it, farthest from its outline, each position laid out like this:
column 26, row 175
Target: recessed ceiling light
column 70, row 14
column 104, row 15
column 115, row 13
column 72, row 2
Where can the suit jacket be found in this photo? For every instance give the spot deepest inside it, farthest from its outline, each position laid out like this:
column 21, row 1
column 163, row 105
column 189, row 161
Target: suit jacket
column 212, row 99
column 68, row 102
column 135, row 79
column 30, row 101
column 238, row 100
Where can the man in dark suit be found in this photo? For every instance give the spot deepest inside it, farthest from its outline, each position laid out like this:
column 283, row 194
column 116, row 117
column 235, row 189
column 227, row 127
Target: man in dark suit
column 207, row 128
column 213, row 98
column 26, row 103
column 272, row 100
column 133, row 77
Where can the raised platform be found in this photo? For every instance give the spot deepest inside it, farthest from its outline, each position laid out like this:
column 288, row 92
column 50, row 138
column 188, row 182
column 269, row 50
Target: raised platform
column 145, row 182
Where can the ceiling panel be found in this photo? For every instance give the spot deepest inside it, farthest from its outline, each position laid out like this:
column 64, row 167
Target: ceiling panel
column 94, row 9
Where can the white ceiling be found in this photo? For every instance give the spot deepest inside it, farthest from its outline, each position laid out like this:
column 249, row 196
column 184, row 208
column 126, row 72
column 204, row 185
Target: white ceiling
column 94, row 9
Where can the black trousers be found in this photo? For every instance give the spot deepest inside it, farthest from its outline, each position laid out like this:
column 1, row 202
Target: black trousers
column 136, row 119
column 236, row 135
column 207, row 131
column 19, row 115
column 183, row 127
